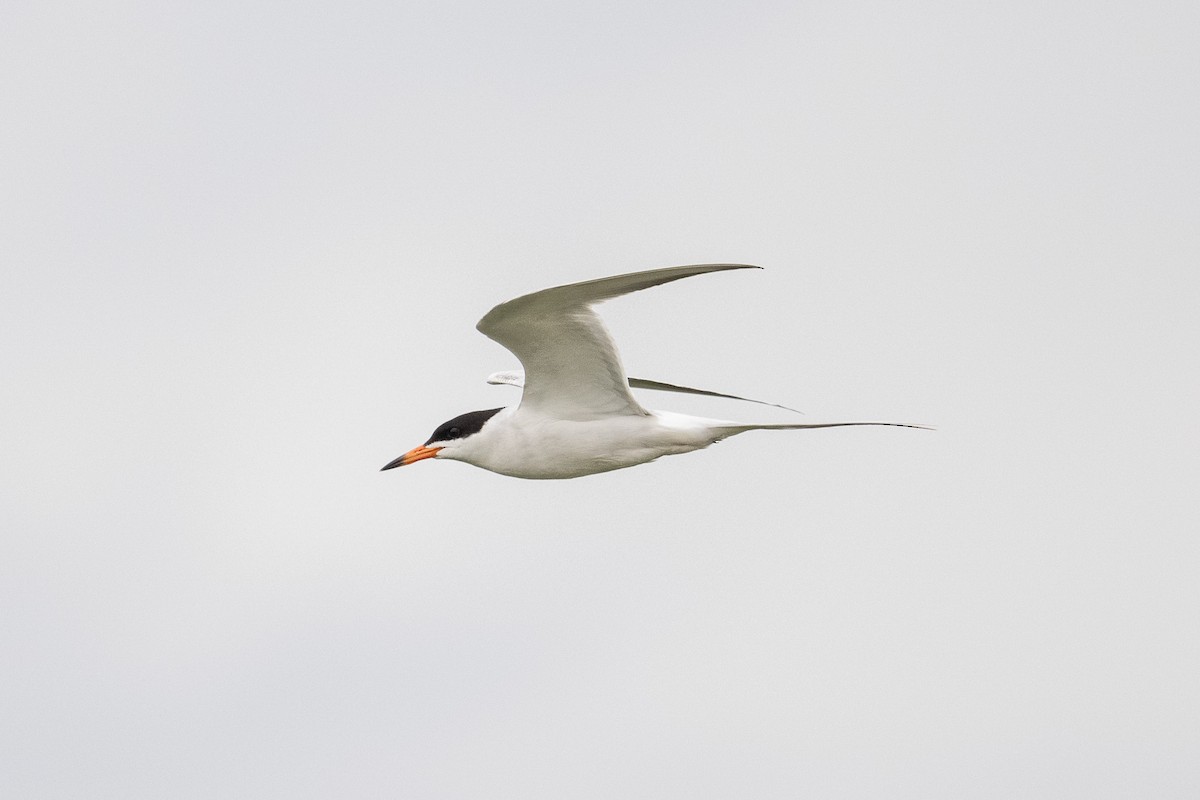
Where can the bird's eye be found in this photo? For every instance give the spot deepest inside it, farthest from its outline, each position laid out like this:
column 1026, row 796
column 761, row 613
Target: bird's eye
column 453, row 433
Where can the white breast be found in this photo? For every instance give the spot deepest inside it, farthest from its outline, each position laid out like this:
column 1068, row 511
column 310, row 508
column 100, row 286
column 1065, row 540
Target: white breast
column 530, row 445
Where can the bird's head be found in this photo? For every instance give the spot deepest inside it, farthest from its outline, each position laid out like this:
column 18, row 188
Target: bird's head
column 449, row 440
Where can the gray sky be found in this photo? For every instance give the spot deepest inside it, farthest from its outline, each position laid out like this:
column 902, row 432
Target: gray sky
column 244, row 248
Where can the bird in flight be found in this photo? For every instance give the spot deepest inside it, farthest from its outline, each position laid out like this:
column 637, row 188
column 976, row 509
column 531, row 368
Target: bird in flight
column 577, row 415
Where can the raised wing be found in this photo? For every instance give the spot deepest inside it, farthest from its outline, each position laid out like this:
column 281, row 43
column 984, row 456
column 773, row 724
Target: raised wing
column 572, row 368
column 517, row 378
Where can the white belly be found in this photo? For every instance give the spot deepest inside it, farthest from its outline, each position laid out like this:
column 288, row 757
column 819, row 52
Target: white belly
column 529, row 446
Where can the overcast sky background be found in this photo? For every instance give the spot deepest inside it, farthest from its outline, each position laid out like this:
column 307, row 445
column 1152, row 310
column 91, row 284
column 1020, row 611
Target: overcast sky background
column 244, row 248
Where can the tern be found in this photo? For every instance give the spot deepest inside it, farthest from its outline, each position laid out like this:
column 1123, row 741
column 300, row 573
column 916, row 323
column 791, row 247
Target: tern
column 577, row 415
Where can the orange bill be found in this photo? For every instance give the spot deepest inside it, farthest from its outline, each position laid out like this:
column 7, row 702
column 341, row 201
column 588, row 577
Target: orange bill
column 416, row 454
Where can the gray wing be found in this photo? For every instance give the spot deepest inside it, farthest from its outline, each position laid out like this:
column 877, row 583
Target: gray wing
column 517, row 378
column 642, row 383
column 572, row 368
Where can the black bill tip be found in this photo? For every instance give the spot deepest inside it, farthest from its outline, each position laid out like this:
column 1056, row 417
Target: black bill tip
column 399, row 462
